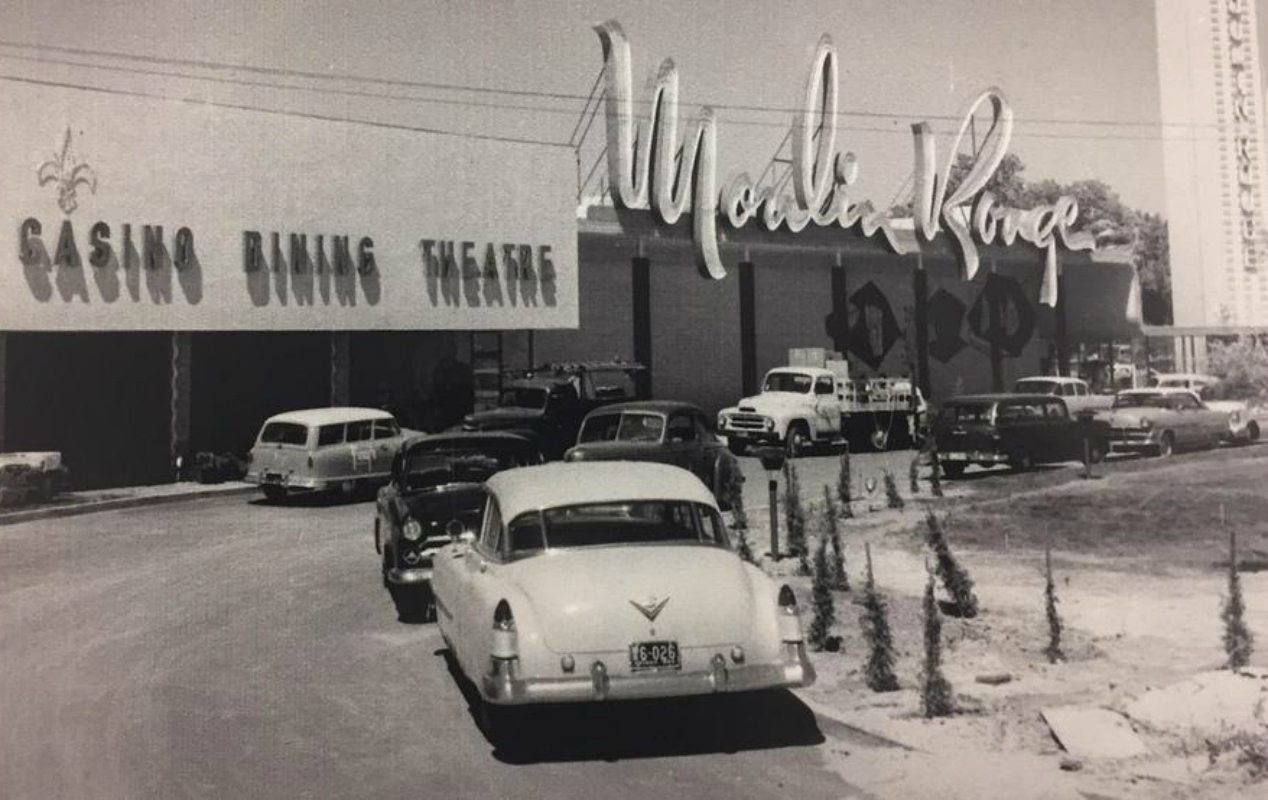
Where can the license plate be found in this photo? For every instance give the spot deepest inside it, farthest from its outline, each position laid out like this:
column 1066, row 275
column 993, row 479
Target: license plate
column 654, row 655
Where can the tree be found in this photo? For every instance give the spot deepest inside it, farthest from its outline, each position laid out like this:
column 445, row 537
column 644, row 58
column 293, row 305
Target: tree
column 821, row 597
column 954, row 578
column 1053, row 650
column 832, row 532
column 845, row 484
column 879, row 670
column 1242, row 367
column 1237, row 639
column 795, row 517
column 935, row 690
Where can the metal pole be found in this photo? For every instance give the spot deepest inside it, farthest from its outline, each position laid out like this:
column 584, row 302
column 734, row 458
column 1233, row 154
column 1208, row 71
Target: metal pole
column 773, row 484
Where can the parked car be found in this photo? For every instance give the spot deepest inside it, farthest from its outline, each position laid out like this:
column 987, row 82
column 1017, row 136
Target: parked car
column 1243, row 428
column 1019, row 430
column 609, row 581
column 324, row 448
column 666, row 431
column 436, row 495
column 1075, row 392
column 1159, row 421
column 550, row 401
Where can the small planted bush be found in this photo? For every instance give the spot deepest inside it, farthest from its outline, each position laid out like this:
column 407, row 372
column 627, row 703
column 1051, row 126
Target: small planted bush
column 953, row 576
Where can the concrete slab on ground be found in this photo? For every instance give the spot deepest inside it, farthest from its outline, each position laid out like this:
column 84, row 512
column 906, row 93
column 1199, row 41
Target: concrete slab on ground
column 1093, row 732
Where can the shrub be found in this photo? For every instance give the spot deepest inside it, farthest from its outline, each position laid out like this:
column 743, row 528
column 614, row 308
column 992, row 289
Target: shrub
column 954, row 578
column 794, row 515
column 935, row 470
column 821, row 594
column 1238, row 642
column 1053, row 650
column 845, row 484
column 892, row 498
column 732, row 490
column 913, row 474
column 879, row 670
column 832, row 532
column 935, row 690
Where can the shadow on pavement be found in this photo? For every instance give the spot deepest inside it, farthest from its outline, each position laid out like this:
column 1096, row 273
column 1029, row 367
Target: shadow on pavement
column 415, row 605
column 315, row 499
column 645, row 728
column 982, row 473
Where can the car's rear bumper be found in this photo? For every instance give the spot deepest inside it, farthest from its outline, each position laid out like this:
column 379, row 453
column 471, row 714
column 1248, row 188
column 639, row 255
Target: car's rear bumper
column 409, row 577
column 504, row 685
column 295, row 483
column 972, row 457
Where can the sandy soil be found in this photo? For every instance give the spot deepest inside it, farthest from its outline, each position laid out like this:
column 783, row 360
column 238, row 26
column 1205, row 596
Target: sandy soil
column 1140, row 559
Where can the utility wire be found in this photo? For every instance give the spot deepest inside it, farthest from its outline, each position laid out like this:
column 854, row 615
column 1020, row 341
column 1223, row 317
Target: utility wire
column 280, row 112
column 279, row 71
column 591, row 106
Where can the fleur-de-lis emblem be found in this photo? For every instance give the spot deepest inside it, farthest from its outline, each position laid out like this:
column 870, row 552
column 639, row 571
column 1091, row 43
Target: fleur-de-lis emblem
column 68, row 175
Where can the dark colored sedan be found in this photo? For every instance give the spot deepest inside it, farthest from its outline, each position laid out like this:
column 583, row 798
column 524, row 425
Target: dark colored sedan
column 664, row 431
column 1019, row 430
column 436, row 495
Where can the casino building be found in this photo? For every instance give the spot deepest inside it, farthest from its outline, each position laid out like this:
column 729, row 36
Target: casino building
column 160, row 299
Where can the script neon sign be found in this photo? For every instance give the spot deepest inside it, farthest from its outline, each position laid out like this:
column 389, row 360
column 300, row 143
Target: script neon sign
column 650, row 167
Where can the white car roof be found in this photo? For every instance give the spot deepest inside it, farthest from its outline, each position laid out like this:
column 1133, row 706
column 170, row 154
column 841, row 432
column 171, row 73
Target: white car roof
column 1053, row 378
column 329, row 416
column 1158, row 390
column 574, row 483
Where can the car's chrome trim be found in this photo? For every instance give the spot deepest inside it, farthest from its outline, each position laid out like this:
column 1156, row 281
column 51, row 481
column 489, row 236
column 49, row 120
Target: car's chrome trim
column 404, row 577
column 505, row 686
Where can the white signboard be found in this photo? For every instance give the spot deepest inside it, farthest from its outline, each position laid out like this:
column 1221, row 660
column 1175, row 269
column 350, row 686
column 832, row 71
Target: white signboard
column 129, row 213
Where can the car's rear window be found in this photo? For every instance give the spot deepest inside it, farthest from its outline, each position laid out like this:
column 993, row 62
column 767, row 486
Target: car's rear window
column 617, row 523
column 630, row 426
column 967, row 412
column 284, row 433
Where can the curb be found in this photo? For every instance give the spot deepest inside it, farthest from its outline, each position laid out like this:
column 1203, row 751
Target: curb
column 115, row 504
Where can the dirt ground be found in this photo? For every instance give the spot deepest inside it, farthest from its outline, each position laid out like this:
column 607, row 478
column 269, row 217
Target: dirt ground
column 1140, row 553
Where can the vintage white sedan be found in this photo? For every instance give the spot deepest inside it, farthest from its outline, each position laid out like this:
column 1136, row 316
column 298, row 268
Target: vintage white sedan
column 607, row 581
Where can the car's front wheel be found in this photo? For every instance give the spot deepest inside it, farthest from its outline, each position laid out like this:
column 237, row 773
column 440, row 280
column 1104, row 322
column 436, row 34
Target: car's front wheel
column 1166, row 445
column 1021, row 461
column 738, row 447
column 798, row 440
column 952, row 469
column 1252, row 432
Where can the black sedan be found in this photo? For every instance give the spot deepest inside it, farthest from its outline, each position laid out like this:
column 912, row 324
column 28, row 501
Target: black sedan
column 664, row 431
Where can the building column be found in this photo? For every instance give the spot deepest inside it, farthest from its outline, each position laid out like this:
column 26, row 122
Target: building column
column 340, row 367
column 920, row 291
column 748, row 330
column 1063, row 330
column 995, row 324
column 4, row 374
column 181, row 387
column 642, row 299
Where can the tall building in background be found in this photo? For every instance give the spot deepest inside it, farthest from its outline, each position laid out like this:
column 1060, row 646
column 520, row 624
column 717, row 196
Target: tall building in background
column 1213, row 104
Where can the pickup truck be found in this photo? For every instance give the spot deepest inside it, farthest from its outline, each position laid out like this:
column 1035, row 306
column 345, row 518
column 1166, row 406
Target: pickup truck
column 1074, row 391
column 546, row 404
column 800, row 406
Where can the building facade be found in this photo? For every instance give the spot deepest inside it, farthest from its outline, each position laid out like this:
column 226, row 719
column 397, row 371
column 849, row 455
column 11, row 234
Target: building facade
column 1213, row 125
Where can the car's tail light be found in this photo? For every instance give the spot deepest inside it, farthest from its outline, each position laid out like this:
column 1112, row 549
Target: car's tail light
column 412, row 530
column 505, row 640
column 789, row 623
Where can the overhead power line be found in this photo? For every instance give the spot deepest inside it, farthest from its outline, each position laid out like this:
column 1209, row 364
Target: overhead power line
column 280, row 112
column 592, row 107
column 488, row 90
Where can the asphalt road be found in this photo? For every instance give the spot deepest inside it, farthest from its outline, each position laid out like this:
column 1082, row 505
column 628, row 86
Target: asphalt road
column 226, row 648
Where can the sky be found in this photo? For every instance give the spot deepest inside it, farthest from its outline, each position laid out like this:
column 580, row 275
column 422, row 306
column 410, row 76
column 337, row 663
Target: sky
column 1081, row 75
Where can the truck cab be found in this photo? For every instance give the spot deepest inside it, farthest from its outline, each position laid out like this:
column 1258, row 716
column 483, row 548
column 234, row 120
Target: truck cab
column 797, row 407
